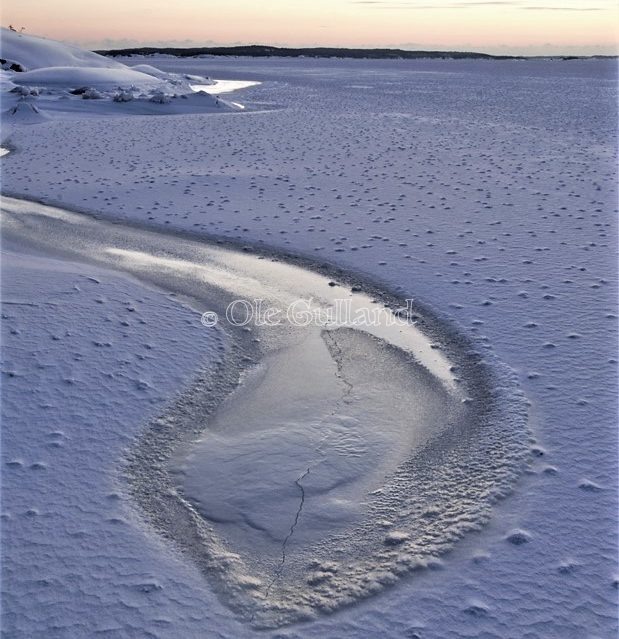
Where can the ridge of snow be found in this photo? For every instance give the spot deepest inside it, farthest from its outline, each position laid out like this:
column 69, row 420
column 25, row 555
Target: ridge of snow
column 34, row 52
column 86, row 76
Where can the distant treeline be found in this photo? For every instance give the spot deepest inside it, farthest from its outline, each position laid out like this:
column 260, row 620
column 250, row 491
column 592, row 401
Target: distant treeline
column 261, row 51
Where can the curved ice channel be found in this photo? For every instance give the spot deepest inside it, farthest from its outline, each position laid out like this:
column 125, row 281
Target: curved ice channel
column 317, row 464
column 219, row 87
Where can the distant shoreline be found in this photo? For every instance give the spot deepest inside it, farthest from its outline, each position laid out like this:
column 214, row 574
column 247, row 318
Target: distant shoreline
column 263, row 51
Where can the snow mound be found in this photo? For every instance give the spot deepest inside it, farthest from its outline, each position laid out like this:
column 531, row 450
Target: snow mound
column 24, row 113
column 94, row 77
column 32, row 52
column 65, row 79
column 150, row 70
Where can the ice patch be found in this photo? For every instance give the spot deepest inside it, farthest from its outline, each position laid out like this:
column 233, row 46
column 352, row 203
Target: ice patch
column 224, row 86
column 372, row 467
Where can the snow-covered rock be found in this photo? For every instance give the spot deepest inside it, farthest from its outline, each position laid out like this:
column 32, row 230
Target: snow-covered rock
column 24, row 112
column 30, row 63
column 123, row 96
column 32, row 52
column 160, row 98
column 92, row 94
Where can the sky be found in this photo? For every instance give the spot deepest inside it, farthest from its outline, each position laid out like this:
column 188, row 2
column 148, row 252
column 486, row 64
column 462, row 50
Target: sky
column 530, row 27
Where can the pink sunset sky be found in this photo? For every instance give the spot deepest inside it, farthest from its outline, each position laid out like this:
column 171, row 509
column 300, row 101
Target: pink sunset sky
column 495, row 26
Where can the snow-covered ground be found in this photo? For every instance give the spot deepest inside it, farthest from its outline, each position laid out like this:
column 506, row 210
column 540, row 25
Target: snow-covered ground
column 486, row 190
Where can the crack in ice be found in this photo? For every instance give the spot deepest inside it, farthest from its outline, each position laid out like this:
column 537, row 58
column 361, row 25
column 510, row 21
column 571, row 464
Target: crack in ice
column 280, row 568
column 328, row 337
column 345, row 399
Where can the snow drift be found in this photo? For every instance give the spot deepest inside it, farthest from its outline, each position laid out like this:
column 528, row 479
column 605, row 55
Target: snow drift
column 32, row 52
column 95, row 77
column 63, row 78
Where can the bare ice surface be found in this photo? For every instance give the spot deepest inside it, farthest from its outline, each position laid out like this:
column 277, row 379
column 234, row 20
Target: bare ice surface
column 224, row 86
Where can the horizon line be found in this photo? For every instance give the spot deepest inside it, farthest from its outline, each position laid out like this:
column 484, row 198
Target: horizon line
column 389, row 48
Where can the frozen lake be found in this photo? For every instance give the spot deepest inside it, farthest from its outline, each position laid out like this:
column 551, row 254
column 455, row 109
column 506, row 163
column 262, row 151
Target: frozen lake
column 484, row 190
